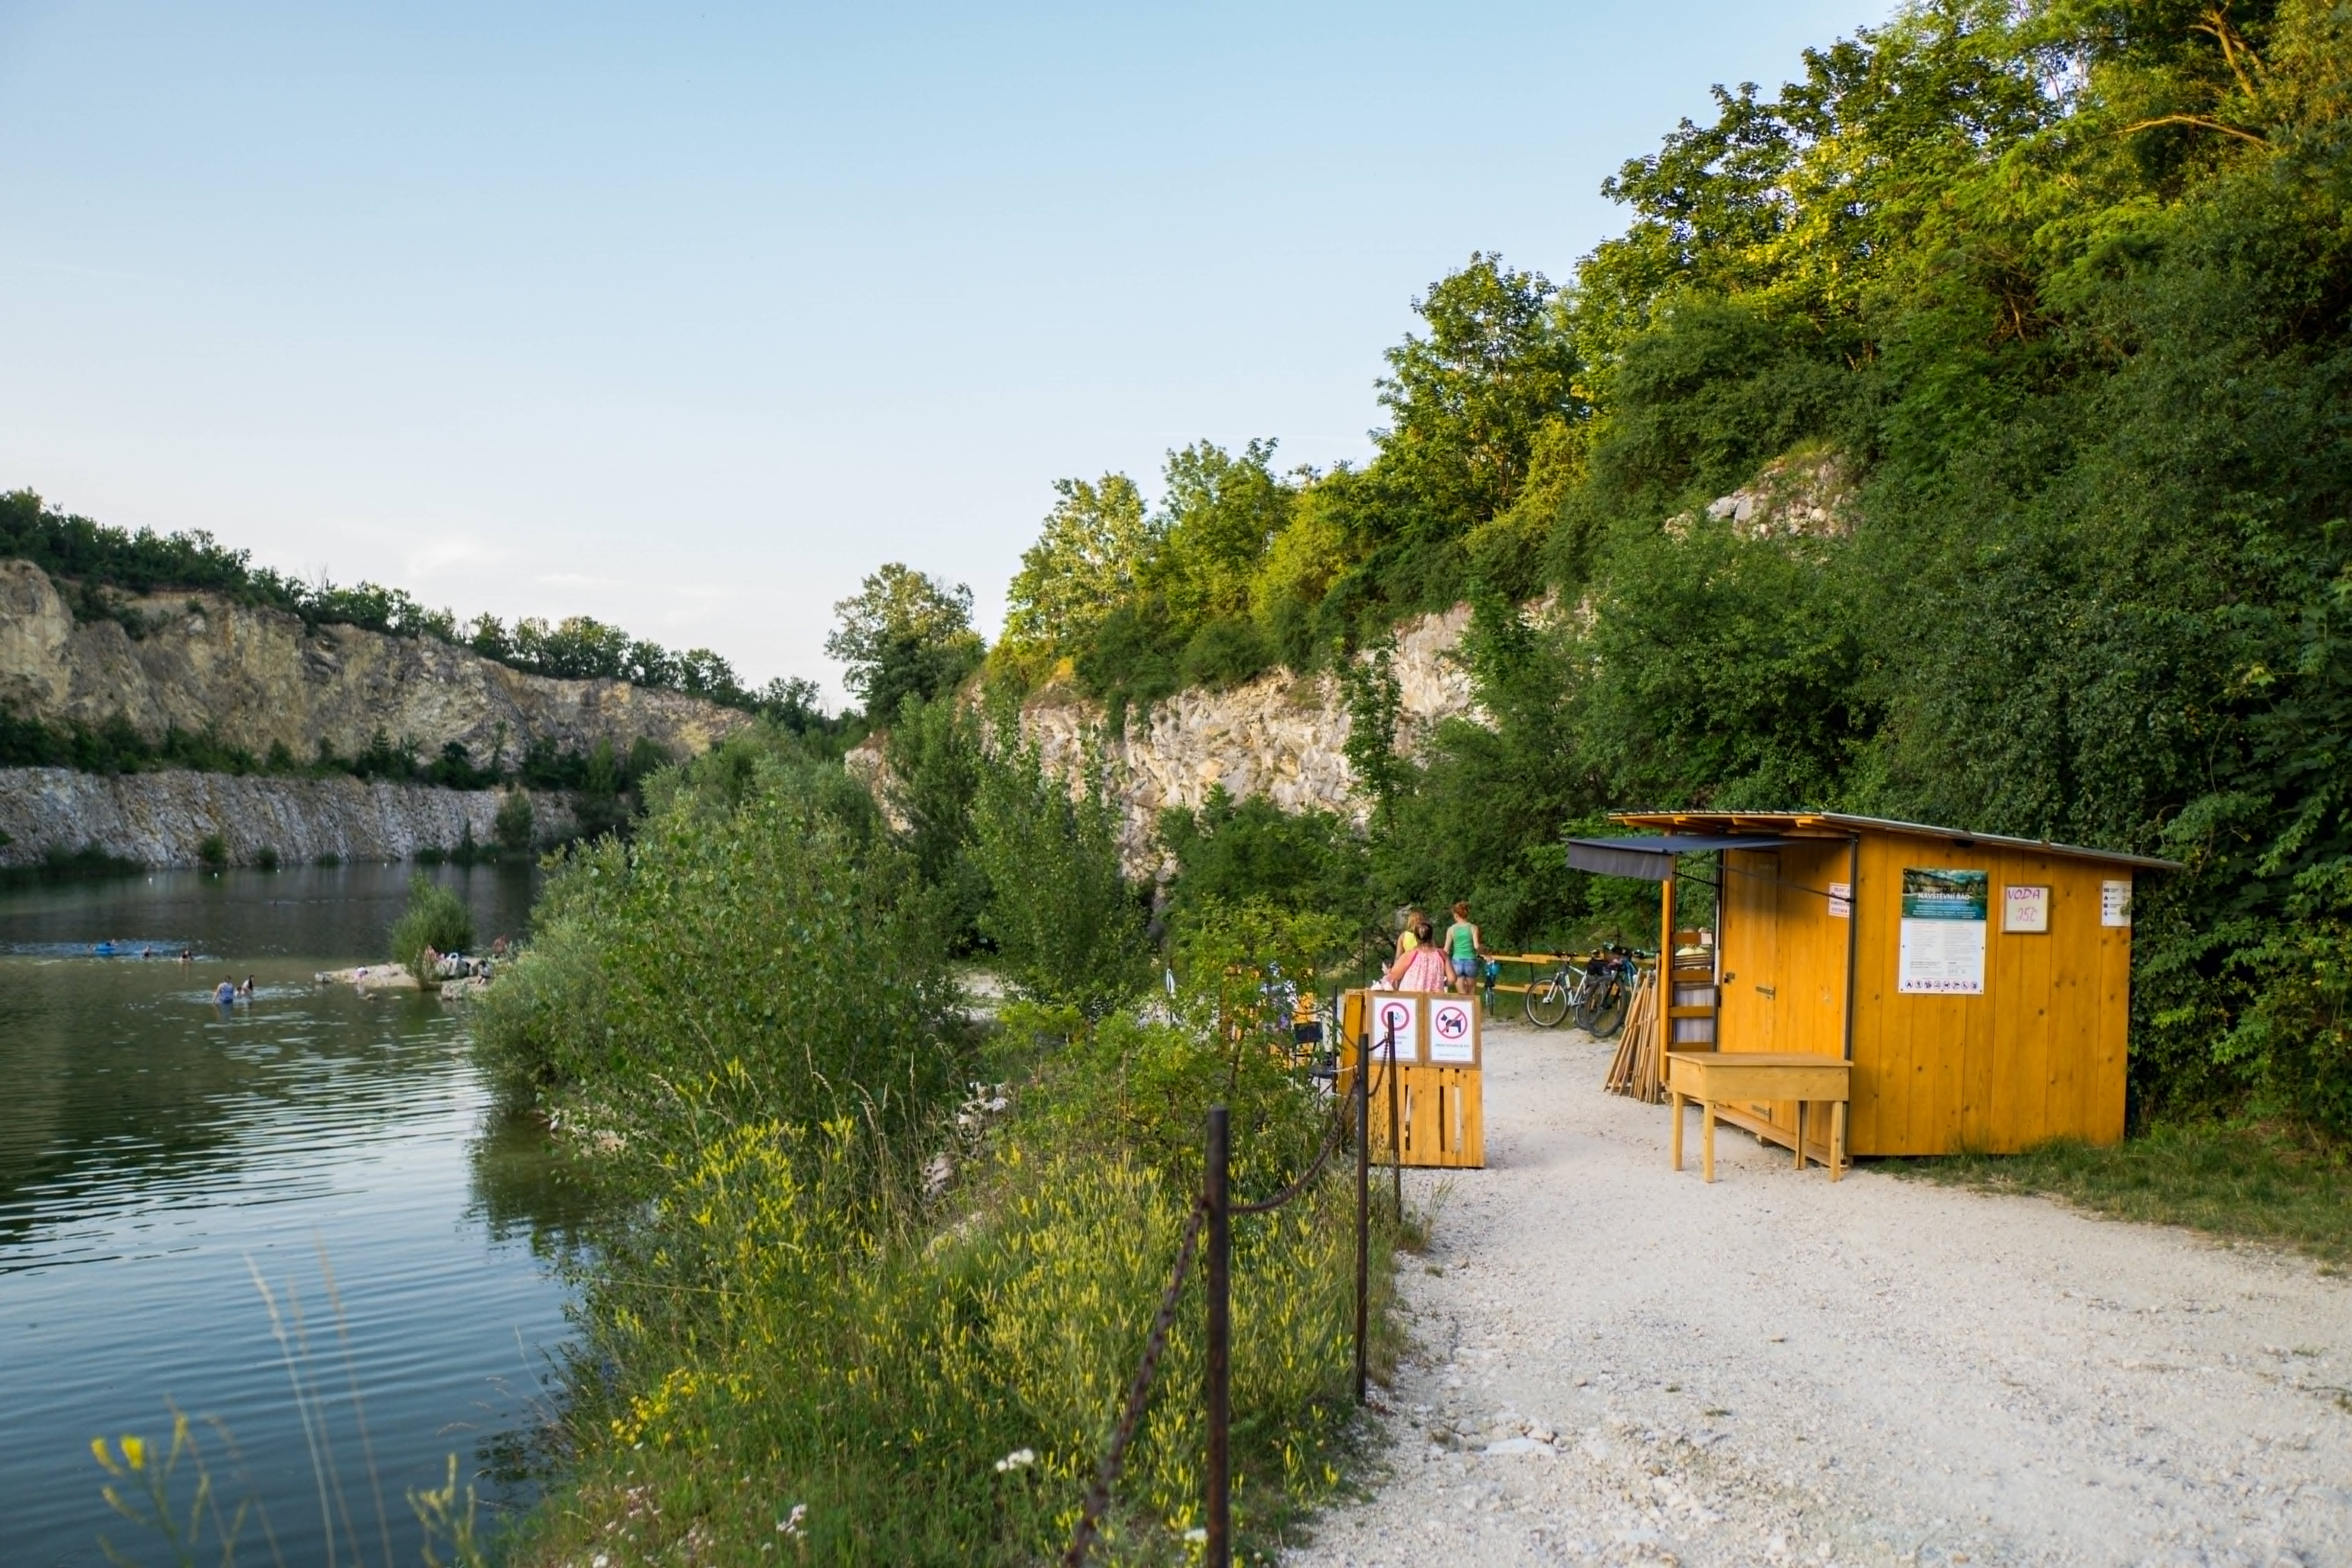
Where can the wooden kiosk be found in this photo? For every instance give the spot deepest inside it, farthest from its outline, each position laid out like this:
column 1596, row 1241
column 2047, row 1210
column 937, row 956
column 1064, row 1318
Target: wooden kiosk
column 1975, row 989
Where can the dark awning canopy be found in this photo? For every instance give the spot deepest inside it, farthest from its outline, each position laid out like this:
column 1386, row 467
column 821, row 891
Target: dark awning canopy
column 1652, row 858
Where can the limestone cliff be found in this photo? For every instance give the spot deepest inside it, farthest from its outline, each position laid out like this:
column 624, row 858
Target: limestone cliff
column 257, row 677
column 1280, row 736
column 163, row 818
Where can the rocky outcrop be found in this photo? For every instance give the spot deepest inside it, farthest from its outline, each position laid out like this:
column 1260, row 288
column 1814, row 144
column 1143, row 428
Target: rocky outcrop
column 256, row 677
column 1281, row 736
column 163, row 818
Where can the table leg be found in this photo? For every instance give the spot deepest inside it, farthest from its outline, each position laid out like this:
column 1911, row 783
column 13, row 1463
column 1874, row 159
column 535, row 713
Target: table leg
column 1800, row 1140
column 1677, row 1100
column 1706, row 1138
column 1837, row 1140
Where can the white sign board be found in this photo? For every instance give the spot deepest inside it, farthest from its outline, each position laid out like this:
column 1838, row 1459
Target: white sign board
column 2025, row 909
column 1397, row 1018
column 1942, row 945
column 1841, row 900
column 2115, row 903
column 1454, row 1031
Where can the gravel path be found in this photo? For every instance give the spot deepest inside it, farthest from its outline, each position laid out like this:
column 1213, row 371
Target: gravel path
column 1612, row 1361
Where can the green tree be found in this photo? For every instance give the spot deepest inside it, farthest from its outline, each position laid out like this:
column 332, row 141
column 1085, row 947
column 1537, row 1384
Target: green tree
column 935, row 762
column 1082, row 567
column 903, row 633
column 1466, row 402
column 1068, row 929
column 437, row 918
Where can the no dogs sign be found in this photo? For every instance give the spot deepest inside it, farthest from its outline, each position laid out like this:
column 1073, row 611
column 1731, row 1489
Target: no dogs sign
column 1454, row 1031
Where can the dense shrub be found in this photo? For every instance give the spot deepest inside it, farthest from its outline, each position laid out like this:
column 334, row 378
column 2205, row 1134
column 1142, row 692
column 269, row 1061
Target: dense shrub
column 437, row 918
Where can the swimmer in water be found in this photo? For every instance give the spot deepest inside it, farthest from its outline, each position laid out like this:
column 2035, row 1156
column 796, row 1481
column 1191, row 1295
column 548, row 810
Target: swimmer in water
column 225, row 992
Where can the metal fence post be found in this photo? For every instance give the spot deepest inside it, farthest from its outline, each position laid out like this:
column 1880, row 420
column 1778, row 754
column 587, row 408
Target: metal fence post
column 1364, row 1203
column 1219, row 1546
column 1396, row 1137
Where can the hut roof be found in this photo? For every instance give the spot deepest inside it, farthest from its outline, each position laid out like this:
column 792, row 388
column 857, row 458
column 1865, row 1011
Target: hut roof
column 1838, row 825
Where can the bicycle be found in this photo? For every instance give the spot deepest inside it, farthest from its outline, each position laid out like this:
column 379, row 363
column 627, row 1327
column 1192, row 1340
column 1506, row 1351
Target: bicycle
column 1606, row 990
column 1548, row 1003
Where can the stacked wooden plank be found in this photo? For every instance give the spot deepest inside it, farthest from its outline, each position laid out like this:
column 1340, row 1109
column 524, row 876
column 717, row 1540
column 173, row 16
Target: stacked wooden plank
column 1638, row 1069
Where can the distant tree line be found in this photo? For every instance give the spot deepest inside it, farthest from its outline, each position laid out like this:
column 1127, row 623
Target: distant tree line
column 98, row 567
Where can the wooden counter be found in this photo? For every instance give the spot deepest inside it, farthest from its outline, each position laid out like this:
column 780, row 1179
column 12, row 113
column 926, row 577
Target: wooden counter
column 1736, row 1077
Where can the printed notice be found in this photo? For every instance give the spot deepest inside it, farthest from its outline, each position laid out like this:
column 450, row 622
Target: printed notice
column 2115, row 903
column 1453, row 1032
column 1841, row 900
column 2025, row 909
column 1942, row 950
column 1393, row 1020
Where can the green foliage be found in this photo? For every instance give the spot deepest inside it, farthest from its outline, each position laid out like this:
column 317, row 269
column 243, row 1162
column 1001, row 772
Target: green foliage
column 516, row 828
column 1068, row 929
column 935, row 762
column 742, row 1018
column 212, row 851
column 437, row 918
column 752, row 961
column 1230, row 853
column 1082, row 566
column 903, row 634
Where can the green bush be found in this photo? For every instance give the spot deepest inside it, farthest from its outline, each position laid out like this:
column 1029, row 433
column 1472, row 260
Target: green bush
column 1068, row 928
column 212, row 851
column 437, row 918
column 514, row 827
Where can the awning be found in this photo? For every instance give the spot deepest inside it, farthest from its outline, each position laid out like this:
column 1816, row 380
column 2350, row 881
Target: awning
column 1652, row 858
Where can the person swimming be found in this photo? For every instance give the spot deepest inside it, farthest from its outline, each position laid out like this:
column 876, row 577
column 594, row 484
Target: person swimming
column 245, row 991
column 224, row 993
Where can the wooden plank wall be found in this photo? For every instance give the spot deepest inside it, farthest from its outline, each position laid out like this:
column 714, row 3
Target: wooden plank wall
column 2040, row 1055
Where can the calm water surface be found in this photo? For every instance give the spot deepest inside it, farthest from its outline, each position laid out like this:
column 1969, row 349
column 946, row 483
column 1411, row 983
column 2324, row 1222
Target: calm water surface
column 158, row 1153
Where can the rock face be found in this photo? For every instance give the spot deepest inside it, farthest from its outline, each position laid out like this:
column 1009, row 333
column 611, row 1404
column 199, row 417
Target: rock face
column 1279, row 736
column 256, row 677
column 161, row 818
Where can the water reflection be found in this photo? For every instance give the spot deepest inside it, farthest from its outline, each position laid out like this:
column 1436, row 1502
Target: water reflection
column 160, row 1151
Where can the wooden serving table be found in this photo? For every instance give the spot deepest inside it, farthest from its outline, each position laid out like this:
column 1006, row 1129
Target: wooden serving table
column 1734, row 1077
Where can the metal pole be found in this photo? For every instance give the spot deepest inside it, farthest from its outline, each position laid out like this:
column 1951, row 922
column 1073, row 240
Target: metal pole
column 1396, row 1138
column 1363, row 1198
column 1219, row 1552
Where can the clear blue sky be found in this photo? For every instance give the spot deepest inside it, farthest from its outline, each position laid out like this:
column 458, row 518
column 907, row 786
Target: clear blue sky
column 687, row 318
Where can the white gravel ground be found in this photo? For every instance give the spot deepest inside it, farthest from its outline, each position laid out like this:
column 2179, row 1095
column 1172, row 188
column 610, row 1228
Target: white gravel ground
column 1612, row 1361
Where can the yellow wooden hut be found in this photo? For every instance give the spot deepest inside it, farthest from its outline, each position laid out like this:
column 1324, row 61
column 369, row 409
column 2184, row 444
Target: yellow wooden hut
column 1979, row 986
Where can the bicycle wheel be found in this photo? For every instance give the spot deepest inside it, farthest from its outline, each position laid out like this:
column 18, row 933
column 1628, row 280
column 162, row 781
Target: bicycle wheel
column 1607, row 1011
column 1548, row 1004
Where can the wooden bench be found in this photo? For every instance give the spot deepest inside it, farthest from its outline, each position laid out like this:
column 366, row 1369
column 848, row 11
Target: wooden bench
column 1736, row 1077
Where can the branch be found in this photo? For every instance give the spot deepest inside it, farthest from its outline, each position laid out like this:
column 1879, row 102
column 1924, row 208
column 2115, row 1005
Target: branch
column 2201, row 122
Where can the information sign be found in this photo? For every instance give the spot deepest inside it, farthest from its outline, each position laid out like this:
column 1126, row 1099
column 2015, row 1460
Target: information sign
column 2115, row 903
column 1942, row 949
column 2025, row 910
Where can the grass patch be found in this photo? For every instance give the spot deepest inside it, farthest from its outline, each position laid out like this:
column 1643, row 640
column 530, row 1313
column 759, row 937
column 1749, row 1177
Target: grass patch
column 2241, row 1182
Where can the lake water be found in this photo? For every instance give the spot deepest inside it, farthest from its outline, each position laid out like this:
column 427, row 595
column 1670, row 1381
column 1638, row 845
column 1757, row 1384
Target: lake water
column 158, row 1153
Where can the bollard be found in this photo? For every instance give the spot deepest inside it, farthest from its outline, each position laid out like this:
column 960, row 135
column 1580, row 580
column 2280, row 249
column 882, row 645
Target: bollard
column 1363, row 1206
column 1218, row 1552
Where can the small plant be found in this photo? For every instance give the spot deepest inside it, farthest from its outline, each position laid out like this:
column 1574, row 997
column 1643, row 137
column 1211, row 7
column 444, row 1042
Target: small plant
column 212, row 851
column 436, row 918
column 267, row 858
